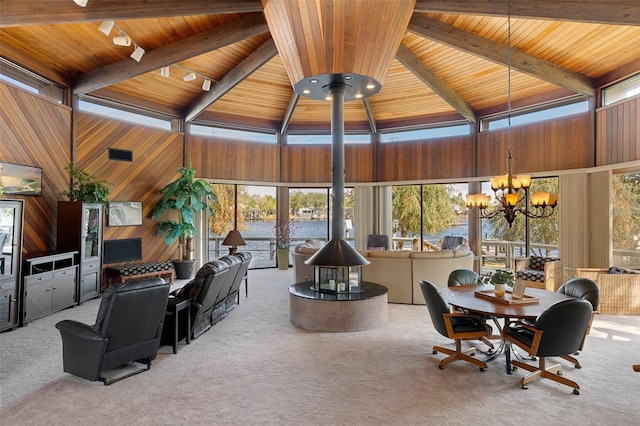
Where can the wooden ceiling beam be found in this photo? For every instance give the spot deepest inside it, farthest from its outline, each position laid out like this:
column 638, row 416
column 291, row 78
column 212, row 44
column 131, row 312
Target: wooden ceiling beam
column 615, row 12
column 37, row 12
column 289, row 112
column 224, row 35
column 251, row 63
column 441, row 32
column 428, row 77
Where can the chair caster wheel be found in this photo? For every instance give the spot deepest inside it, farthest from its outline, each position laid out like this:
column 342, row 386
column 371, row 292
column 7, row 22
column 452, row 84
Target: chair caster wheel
column 559, row 373
column 434, row 352
column 576, row 392
column 441, row 367
column 525, row 387
column 578, row 366
column 472, row 354
column 483, row 369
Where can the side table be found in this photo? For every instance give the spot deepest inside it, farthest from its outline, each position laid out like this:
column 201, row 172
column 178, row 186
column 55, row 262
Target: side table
column 178, row 313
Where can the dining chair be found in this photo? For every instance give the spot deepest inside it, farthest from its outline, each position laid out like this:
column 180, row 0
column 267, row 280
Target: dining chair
column 558, row 331
column 586, row 289
column 454, row 325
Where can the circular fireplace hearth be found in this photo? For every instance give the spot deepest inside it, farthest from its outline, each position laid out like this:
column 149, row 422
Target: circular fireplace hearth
column 341, row 312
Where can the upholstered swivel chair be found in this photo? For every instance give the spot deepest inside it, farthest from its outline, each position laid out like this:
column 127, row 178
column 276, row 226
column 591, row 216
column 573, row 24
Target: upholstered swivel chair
column 378, row 242
column 449, row 242
column 128, row 328
column 460, row 277
column 203, row 291
column 454, row 325
column 586, row 289
column 558, row 331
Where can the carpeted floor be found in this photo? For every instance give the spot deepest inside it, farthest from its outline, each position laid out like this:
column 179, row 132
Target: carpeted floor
column 255, row 368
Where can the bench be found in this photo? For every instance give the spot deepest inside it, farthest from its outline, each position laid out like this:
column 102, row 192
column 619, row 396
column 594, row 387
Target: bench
column 117, row 274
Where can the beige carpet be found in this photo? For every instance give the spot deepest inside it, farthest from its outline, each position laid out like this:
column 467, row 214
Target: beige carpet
column 255, row 368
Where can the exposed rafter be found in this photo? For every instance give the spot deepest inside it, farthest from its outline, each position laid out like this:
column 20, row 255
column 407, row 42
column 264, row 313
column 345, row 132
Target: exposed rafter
column 289, row 112
column 36, row 12
column 496, row 52
column 616, row 12
column 224, row 35
column 428, row 77
column 255, row 60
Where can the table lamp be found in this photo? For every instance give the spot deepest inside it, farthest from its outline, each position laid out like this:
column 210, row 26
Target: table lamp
column 233, row 240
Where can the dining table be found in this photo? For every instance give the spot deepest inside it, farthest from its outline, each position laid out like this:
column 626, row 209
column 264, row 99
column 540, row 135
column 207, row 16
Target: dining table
column 480, row 299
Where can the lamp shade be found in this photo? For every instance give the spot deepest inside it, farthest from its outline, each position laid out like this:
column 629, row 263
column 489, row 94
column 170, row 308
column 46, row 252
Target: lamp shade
column 106, row 27
column 234, row 239
column 81, row 3
column 138, row 53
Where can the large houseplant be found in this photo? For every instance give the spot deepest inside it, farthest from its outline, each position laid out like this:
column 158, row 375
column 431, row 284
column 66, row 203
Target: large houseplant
column 187, row 196
column 85, row 187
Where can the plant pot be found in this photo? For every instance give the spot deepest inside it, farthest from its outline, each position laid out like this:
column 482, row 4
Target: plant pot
column 283, row 258
column 499, row 289
column 185, row 269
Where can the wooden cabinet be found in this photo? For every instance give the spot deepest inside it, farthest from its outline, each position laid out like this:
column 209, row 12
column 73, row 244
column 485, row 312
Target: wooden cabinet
column 11, row 217
column 49, row 284
column 80, row 228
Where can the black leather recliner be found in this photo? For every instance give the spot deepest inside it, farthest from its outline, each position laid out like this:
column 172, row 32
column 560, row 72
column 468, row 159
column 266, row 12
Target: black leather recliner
column 203, row 291
column 234, row 293
column 128, row 328
column 220, row 308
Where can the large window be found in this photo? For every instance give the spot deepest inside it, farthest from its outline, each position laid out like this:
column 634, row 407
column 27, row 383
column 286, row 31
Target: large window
column 233, row 134
column 433, row 132
column 127, row 114
column 34, row 83
column 623, row 90
column 325, row 139
column 528, row 116
column 626, row 220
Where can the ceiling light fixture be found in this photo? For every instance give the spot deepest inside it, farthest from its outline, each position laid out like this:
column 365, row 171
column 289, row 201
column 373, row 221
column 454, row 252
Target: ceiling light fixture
column 137, row 54
column 122, row 40
column 190, row 76
column 81, row 3
column 164, row 71
column 206, row 85
column 510, row 191
column 106, row 27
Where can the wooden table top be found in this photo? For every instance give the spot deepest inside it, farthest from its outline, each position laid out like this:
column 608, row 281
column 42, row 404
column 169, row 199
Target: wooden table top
column 464, row 297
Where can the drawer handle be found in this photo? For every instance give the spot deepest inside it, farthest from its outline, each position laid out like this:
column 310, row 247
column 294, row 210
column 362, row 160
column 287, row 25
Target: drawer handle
column 54, row 288
column 49, row 289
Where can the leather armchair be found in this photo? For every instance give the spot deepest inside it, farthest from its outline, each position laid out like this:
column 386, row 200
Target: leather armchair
column 459, row 277
column 234, row 294
column 128, row 328
column 220, row 305
column 558, row 331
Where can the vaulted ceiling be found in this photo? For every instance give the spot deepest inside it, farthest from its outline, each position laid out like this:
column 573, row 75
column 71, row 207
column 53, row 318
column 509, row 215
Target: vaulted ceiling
column 451, row 63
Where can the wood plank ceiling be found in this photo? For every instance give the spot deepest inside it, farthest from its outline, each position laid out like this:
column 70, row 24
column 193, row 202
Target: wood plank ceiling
column 451, row 64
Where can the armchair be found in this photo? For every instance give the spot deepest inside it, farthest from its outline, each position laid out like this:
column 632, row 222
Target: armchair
column 128, row 328
column 558, row 331
column 539, row 272
column 454, row 325
column 619, row 292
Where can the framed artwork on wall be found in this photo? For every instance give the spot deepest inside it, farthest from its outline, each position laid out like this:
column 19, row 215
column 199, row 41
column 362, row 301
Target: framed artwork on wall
column 124, row 213
column 21, row 180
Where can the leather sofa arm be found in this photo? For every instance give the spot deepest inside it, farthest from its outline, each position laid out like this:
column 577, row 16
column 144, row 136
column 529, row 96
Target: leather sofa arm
column 78, row 330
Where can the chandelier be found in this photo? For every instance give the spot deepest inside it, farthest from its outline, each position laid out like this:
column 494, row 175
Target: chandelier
column 511, row 190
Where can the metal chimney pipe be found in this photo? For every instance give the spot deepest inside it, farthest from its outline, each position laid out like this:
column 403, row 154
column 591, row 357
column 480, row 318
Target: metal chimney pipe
column 337, row 160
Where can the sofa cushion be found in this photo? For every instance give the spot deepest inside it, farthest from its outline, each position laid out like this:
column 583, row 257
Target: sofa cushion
column 461, row 250
column 620, row 270
column 536, row 263
column 304, row 250
column 395, row 254
column 531, row 275
column 438, row 254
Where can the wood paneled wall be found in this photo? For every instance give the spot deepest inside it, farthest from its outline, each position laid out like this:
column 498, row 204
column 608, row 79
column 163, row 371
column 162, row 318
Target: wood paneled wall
column 618, row 132
column 433, row 159
column 312, row 163
column 234, row 160
column 35, row 131
column 157, row 155
column 550, row 145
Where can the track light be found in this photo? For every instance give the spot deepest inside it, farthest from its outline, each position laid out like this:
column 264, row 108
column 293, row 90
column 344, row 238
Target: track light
column 206, row 85
column 81, row 3
column 122, row 40
column 137, row 53
column 190, row 76
column 106, row 27
column 164, row 71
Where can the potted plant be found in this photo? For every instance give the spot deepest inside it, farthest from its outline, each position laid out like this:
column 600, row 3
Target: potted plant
column 186, row 195
column 284, row 233
column 500, row 279
column 86, row 188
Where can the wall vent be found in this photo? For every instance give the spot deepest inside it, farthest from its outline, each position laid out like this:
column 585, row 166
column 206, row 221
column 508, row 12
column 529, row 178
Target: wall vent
column 120, row 154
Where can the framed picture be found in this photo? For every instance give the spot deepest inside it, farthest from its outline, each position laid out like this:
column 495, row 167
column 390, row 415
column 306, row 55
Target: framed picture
column 518, row 289
column 21, row 180
column 124, row 213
